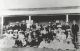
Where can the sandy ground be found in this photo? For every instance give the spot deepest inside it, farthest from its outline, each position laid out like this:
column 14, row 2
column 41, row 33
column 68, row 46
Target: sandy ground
column 32, row 49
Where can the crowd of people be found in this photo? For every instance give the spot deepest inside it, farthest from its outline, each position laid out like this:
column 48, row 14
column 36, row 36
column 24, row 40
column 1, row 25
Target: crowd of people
column 55, row 35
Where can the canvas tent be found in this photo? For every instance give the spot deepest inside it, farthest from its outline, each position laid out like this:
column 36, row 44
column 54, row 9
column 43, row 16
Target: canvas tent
column 37, row 7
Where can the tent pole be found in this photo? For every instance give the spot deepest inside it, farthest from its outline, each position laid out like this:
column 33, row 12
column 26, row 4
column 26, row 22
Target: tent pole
column 67, row 18
column 2, row 20
column 30, row 20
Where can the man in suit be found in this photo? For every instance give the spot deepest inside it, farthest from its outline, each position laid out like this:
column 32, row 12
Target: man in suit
column 75, row 29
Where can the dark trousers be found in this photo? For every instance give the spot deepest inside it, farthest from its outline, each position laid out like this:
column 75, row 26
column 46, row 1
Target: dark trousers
column 75, row 39
column 66, row 33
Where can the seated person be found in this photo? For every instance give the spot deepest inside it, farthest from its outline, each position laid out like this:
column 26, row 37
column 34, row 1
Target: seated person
column 69, row 44
column 43, row 44
column 69, row 38
column 7, row 41
column 29, row 40
column 35, row 42
column 21, row 40
column 54, row 43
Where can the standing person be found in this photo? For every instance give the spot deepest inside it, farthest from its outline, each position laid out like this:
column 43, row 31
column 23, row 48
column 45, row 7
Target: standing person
column 17, row 26
column 75, row 29
column 23, row 25
column 67, row 28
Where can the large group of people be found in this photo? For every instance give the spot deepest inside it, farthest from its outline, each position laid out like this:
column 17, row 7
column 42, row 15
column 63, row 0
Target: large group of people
column 55, row 35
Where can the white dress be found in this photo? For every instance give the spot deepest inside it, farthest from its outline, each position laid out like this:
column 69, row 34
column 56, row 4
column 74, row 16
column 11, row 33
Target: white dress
column 54, row 44
column 62, row 38
column 47, row 45
column 69, row 38
column 42, row 44
column 7, row 42
column 70, row 45
column 29, row 38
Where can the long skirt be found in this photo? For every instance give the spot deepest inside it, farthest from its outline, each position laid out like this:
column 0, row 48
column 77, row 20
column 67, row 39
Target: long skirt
column 7, row 43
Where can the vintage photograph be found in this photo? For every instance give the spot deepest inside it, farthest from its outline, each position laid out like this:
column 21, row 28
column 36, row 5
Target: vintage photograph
column 39, row 25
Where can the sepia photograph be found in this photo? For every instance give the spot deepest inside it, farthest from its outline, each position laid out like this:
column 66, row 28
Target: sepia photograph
column 39, row 25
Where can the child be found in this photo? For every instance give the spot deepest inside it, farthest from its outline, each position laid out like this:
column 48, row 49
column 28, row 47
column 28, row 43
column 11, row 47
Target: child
column 21, row 38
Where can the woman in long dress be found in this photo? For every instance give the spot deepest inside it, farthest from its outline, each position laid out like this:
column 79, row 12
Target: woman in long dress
column 61, row 44
column 54, row 44
column 61, row 37
column 69, row 44
column 7, row 41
